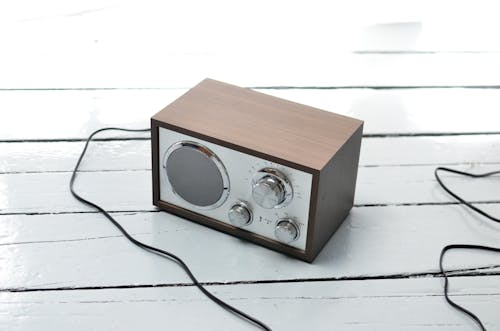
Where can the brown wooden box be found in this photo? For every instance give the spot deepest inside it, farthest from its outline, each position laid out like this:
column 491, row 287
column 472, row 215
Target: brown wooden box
column 322, row 143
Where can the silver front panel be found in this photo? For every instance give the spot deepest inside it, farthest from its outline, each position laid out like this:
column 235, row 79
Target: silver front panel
column 240, row 168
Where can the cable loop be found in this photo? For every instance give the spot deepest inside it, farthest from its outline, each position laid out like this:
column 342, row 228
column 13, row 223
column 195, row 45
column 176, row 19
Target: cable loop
column 463, row 246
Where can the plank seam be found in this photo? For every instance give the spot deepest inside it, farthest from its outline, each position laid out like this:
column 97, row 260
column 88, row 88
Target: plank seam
column 413, row 52
column 427, row 164
column 429, row 134
column 270, row 87
column 367, row 135
column 458, row 273
column 62, row 140
column 367, row 205
column 125, row 212
column 374, row 87
column 149, row 169
column 80, row 171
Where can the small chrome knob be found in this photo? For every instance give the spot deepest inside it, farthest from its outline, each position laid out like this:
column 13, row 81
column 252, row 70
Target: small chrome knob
column 240, row 215
column 286, row 231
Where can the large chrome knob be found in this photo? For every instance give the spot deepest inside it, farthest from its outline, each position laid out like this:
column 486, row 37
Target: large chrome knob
column 240, row 214
column 286, row 231
column 268, row 192
column 271, row 189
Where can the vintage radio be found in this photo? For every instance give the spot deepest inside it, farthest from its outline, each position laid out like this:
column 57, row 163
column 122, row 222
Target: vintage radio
column 271, row 171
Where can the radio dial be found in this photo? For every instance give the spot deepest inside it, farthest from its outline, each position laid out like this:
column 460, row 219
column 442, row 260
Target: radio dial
column 271, row 189
column 268, row 192
column 286, row 231
column 240, row 214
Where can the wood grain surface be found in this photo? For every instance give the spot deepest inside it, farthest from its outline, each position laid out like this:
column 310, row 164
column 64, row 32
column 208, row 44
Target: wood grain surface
column 252, row 121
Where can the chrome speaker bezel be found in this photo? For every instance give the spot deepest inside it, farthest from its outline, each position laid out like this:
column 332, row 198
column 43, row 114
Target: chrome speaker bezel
column 210, row 155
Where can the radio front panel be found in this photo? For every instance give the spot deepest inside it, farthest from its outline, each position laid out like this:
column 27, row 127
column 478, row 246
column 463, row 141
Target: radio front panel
column 241, row 190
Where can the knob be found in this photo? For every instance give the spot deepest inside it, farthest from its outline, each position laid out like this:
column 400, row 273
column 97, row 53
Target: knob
column 271, row 189
column 286, row 231
column 240, row 215
column 268, row 192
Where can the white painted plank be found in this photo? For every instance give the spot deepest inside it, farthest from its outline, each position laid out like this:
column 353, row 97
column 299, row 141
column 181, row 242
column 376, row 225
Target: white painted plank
column 68, row 250
column 131, row 190
column 62, row 156
column 356, row 26
column 49, row 192
column 135, row 155
column 408, row 110
column 441, row 150
column 78, row 47
column 400, row 185
column 75, row 114
column 110, row 69
column 430, row 35
column 410, row 304
column 109, row 66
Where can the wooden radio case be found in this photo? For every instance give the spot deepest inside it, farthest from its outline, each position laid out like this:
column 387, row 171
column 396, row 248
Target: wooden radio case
column 271, row 171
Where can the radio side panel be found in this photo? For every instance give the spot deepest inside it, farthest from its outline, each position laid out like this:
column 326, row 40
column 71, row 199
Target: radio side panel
column 337, row 183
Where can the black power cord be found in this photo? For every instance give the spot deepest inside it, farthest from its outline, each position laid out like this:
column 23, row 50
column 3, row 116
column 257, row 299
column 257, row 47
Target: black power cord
column 152, row 249
column 463, row 246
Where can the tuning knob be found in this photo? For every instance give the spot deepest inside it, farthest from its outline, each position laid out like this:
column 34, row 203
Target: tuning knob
column 271, row 189
column 286, row 231
column 240, row 214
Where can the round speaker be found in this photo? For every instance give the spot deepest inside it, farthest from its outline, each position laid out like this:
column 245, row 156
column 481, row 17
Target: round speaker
column 196, row 174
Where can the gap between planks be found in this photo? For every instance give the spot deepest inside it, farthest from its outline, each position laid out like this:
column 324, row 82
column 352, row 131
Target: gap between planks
column 368, row 135
column 278, row 87
column 136, row 211
column 452, row 273
column 14, row 172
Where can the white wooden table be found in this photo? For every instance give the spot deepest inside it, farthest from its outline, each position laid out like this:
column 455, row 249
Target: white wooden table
column 426, row 89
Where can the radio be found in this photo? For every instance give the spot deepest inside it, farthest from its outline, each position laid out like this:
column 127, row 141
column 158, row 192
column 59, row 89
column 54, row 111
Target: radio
column 268, row 170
